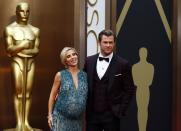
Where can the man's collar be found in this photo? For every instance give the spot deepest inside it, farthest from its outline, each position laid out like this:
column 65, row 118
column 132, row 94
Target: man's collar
column 108, row 56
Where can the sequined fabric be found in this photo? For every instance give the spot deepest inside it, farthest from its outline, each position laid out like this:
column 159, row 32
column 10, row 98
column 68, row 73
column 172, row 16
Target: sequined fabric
column 71, row 103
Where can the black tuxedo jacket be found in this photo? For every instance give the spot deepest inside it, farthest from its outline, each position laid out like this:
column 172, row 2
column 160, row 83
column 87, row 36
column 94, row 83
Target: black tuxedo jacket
column 120, row 88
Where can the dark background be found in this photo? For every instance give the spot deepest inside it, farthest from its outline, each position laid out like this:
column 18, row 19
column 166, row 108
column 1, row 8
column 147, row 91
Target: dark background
column 143, row 27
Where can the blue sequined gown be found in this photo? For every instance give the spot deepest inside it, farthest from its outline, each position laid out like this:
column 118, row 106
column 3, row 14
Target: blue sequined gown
column 71, row 103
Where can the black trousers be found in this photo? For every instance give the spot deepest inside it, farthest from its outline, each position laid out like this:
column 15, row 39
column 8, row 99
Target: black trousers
column 102, row 122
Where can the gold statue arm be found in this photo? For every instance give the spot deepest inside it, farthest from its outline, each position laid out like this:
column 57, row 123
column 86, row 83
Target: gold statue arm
column 35, row 50
column 12, row 48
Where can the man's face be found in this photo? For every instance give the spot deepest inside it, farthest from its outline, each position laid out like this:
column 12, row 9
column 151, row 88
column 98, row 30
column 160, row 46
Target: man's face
column 22, row 12
column 106, row 45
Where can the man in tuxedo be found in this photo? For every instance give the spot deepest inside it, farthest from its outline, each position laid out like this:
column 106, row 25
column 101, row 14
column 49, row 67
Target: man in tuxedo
column 110, row 86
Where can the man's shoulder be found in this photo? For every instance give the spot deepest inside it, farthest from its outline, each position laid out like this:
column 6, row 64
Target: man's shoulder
column 121, row 59
column 92, row 57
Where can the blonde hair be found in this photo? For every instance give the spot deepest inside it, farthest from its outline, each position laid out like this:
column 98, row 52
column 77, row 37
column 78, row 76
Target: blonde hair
column 63, row 54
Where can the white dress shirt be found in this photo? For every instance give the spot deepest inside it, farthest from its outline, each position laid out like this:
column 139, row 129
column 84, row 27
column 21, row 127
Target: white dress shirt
column 102, row 66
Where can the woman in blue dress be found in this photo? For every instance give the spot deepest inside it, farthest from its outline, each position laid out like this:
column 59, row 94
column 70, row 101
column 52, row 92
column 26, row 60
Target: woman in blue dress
column 68, row 95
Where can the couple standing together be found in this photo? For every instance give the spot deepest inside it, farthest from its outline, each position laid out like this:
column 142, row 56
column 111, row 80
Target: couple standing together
column 103, row 90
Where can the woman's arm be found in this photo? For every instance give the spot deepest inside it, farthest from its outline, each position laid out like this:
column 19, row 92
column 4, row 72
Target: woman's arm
column 53, row 95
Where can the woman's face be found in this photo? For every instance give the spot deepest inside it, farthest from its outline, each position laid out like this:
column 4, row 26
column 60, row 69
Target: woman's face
column 71, row 59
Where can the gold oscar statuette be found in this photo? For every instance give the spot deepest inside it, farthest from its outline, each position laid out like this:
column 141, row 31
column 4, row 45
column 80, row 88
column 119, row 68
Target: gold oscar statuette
column 22, row 45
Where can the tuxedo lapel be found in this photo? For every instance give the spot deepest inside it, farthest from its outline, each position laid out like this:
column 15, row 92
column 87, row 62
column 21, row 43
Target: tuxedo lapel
column 92, row 66
column 113, row 67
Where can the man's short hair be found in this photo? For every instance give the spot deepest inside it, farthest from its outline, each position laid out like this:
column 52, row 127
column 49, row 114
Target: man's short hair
column 106, row 33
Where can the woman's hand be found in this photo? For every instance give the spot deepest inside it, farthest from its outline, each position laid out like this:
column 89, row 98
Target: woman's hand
column 50, row 121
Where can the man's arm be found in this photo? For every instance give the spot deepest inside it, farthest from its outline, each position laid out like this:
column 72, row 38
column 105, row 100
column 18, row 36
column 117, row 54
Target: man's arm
column 129, row 89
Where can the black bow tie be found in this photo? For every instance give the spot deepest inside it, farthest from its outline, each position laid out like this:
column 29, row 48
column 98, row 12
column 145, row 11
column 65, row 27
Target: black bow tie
column 102, row 58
